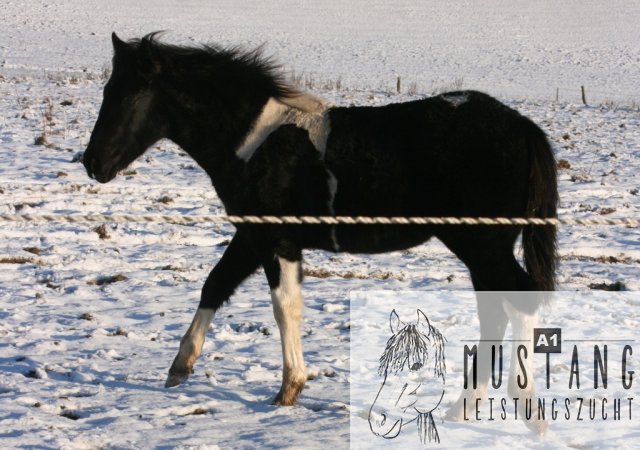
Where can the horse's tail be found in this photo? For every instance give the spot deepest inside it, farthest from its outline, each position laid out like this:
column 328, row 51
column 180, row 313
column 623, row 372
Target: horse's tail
column 539, row 241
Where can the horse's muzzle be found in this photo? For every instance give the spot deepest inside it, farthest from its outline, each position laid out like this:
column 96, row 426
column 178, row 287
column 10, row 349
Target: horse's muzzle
column 96, row 170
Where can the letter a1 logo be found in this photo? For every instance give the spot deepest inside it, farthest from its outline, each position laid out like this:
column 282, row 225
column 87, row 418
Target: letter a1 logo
column 547, row 340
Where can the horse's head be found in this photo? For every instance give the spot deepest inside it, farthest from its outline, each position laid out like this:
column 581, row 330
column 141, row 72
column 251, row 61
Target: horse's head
column 130, row 120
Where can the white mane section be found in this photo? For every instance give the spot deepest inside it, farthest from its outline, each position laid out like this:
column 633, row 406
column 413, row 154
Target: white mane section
column 271, row 117
column 303, row 110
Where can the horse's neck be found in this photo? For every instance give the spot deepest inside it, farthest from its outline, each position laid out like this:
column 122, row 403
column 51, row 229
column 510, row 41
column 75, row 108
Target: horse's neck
column 223, row 153
column 302, row 110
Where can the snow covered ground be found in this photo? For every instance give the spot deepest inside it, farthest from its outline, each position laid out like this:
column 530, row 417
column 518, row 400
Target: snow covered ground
column 90, row 324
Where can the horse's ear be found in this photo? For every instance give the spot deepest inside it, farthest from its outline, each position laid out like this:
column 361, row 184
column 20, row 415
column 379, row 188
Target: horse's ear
column 118, row 44
column 423, row 321
column 150, row 61
column 394, row 322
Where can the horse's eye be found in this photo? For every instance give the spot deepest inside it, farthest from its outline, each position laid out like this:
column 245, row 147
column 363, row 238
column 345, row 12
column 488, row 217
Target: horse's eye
column 416, row 366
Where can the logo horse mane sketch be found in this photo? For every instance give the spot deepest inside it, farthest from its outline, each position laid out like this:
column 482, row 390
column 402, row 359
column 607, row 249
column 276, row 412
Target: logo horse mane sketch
column 413, row 369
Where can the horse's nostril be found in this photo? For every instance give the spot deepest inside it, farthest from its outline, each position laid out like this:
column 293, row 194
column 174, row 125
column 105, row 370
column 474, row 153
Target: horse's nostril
column 94, row 169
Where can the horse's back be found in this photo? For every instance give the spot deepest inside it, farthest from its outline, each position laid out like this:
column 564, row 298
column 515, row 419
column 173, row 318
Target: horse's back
column 460, row 152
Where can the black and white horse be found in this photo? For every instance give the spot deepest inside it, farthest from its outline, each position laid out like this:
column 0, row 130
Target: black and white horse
column 272, row 150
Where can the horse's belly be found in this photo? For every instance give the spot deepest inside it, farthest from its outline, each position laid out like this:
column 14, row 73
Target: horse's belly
column 365, row 238
column 380, row 238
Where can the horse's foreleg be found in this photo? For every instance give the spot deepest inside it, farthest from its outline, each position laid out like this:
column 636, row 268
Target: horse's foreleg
column 190, row 348
column 237, row 263
column 284, row 280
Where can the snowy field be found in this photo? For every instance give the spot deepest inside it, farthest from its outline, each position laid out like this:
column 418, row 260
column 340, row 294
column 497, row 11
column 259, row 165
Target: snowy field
column 91, row 316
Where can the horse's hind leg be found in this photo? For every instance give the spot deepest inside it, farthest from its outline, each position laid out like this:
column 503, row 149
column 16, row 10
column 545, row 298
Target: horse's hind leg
column 493, row 323
column 488, row 253
column 284, row 276
column 238, row 262
column 521, row 385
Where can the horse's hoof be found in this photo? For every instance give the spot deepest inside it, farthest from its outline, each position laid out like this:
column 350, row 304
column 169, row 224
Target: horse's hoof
column 288, row 394
column 539, row 427
column 288, row 398
column 174, row 379
column 454, row 414
column 281, row 400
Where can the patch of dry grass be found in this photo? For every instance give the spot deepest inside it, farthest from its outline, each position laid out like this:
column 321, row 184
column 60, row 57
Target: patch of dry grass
column 16, row 260
column 321, row 272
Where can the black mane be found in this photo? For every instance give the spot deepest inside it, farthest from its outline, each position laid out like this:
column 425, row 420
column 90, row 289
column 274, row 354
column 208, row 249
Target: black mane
column 215, row 63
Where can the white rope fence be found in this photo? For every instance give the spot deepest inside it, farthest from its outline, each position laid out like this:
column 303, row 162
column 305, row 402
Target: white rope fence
column 320, row 220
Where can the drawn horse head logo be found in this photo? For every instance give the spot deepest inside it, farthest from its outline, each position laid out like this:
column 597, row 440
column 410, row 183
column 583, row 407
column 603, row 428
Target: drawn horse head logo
column 412, row 368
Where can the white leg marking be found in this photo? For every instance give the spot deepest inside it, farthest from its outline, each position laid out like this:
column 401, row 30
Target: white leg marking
column 287, row 309
column 466, row 403
column 522, row 325
column 194, row 338
column 489, row 336
column 190, row 347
